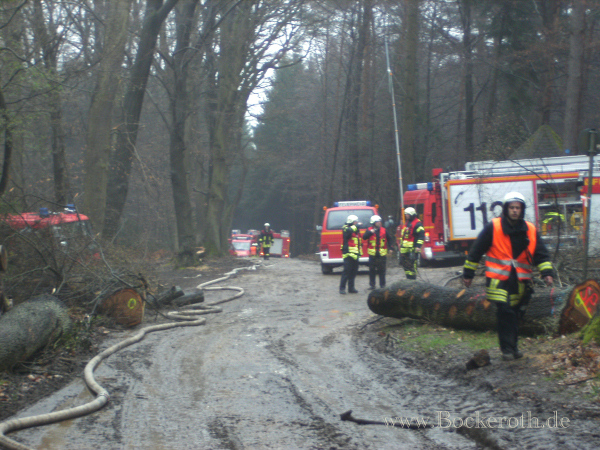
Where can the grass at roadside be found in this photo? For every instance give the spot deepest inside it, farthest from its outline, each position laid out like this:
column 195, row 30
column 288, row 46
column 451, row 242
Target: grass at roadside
column 413, row 335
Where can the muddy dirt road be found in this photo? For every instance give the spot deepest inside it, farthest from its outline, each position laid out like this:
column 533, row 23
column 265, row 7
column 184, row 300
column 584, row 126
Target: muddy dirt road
column 275, row 370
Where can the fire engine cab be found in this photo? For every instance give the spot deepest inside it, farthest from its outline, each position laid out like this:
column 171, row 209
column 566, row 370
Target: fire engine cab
column 455, row 206
column 330, row 250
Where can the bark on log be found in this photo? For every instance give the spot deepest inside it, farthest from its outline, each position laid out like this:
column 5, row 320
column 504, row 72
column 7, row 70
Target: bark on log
column 466, row 308
column 189, row 299
column 31, row 326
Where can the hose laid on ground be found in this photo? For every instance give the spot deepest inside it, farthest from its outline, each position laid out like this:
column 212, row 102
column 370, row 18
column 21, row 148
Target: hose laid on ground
column 102, row 397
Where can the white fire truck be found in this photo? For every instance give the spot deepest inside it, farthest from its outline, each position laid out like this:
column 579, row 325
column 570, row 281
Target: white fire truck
column 455, row 206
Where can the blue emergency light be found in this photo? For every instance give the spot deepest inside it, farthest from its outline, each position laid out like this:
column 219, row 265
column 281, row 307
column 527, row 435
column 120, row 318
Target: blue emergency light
column 44, row 212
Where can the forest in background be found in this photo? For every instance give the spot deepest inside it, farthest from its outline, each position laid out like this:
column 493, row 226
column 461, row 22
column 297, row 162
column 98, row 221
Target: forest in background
column 169, row 122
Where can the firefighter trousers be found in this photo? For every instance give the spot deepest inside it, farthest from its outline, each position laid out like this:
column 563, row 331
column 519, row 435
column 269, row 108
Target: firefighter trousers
column 349, row 273
column 377, row 266
column 508, row 326
column 409, row 266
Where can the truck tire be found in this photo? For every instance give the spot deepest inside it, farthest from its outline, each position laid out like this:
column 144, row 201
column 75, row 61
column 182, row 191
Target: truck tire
column 326, row 269
column 422, row 262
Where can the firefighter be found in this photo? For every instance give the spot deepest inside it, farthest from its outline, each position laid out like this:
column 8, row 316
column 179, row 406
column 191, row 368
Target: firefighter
column 379, row 242
column 266, row 240
column 512, row 246
column 412, row 238
column 351, row 251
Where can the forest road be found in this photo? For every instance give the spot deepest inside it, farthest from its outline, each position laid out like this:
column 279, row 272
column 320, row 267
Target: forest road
column 274, row 371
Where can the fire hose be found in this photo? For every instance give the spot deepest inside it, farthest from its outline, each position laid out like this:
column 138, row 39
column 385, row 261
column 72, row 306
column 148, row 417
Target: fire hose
column 189, row 318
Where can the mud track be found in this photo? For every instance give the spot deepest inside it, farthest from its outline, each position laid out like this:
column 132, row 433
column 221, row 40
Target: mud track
column 276, row 370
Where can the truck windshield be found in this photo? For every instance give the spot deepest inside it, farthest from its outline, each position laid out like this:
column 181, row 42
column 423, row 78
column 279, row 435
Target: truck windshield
column 337, row 219
column 241, row 245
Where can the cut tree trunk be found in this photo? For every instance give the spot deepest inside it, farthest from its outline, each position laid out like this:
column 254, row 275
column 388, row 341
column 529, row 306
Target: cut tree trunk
column 189, row 299
column 31, row 326
column 550, row 310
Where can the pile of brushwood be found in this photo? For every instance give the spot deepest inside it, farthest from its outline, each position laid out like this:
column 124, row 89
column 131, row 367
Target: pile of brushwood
column 50, row 273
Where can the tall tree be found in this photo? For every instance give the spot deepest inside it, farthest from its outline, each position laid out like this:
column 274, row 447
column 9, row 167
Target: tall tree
column 127, row 131
column 575, row 77
column 49, row 39
column 98, row 139
column 409, row 76
column 245, row 53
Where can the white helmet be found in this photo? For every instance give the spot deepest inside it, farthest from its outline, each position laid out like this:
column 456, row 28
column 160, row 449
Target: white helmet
column 514, row 197
column 410, row 211
column 267, row 224
column 375, row 218
column 351, row 218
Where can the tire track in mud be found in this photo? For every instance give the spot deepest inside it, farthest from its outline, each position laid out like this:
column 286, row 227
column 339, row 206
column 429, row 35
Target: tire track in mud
column 460, row 400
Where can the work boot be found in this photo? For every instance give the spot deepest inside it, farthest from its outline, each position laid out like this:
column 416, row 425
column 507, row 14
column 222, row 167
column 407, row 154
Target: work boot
column 370, row 288
column 508, row 356
column 343, row 291
column 518, row 354
column 353, row 291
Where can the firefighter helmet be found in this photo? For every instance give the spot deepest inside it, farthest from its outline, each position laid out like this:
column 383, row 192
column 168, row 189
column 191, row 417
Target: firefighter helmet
column 513, row 197
column 410, row 211
column 375, row 218
column 351, row 218
column 267, row 224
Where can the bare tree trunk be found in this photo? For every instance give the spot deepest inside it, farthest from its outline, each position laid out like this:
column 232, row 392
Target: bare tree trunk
column 468, row 61
column 355, row 76
column 575, row 80
column 7, row 128
column 122, row 159
column 177, row 152
column 410, row 92
column 48, row 41
column 98, row 138
column 549, row 20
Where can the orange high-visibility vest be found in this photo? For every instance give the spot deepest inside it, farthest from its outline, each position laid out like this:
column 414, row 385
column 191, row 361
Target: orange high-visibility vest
column 499, row 259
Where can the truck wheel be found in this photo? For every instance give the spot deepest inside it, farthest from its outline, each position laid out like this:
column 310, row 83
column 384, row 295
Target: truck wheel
column 422, row 262
column 326, row 269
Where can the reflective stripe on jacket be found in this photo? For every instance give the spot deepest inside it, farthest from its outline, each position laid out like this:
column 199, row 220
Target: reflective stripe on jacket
column 408, row 235
column 372, row 242
column 499, row 260
column 353, row 246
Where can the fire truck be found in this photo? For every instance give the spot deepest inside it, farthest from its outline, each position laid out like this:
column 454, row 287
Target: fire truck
column 455, row 206
column 61, row 224
column 330, row 249
column 242, row 244
column 281, row 244
column 248, row 245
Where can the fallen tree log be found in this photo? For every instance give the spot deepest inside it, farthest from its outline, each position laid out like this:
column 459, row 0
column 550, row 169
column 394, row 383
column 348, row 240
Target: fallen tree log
column 31, row 326
column 550, row 310
column 166, row 298
column 189, row 299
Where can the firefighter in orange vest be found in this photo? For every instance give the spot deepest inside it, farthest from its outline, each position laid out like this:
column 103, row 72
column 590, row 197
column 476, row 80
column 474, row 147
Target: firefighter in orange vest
column 512, row 246
column 351, row 251
column 379, row 242
column 412, row 238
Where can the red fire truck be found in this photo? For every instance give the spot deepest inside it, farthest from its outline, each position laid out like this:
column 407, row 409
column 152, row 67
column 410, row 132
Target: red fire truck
column 243, row 245
column 62, row 224
column 334, row 219
column 281, row 244
column 455, row 206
